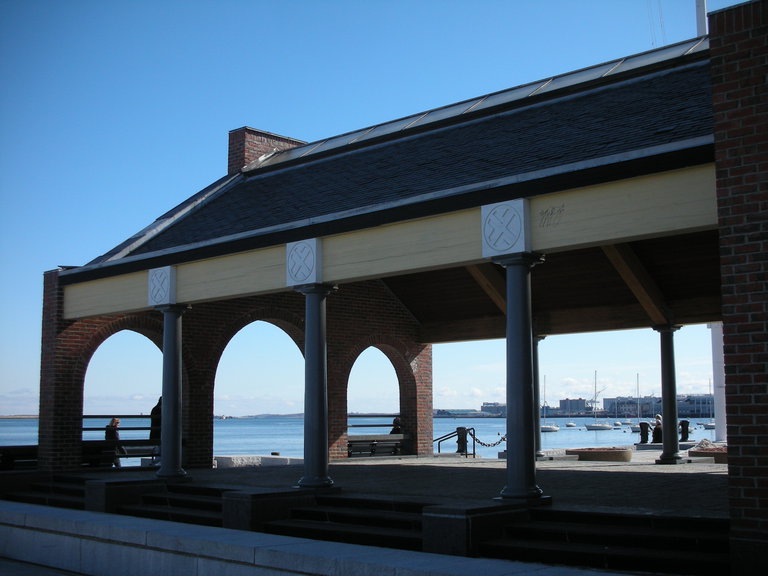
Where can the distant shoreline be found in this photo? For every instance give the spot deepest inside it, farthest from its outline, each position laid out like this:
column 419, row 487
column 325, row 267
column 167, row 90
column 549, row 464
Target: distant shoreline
column 20, row 417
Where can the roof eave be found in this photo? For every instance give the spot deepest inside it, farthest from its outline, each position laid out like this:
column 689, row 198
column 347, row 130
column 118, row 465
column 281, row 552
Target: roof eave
column 594, row 171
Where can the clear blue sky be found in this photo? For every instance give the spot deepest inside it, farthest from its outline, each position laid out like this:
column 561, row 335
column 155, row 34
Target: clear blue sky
column 113, row 112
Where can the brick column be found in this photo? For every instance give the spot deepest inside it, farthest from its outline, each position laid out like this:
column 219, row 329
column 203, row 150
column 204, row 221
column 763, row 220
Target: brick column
column 61, row 409
column 739, row 61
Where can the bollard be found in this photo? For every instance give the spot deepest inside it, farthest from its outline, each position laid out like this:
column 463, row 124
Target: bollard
column 644, row 429
column 684, row 425
column 461, row 440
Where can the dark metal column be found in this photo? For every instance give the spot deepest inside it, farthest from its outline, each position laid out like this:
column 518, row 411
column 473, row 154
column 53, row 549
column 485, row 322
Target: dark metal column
column 315, row 389
column 671, row 445
column 521, row 455
column 537, row 397
column 170, row 426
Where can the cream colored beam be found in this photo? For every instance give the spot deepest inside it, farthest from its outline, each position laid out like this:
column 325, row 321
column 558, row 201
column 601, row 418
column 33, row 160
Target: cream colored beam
column 414, row 245
column 662, row 204
column 126, row 293
column 639, row 281
column 645, row 207
column 241, row 274
column 492, row 283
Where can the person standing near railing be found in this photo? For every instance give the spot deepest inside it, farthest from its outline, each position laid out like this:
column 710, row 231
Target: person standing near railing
column 155, row 422
column 112, row 434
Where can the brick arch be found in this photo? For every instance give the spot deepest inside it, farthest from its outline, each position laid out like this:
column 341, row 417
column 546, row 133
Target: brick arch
column 405, row 359
column 148, row 325
column 283, row 319
column 61, row 393
column 143, row 324
column 207, row 330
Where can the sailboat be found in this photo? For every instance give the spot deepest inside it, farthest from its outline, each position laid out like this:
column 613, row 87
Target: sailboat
column 547, row 427
column 711, row 424
column 636, row 427
column 597, row 425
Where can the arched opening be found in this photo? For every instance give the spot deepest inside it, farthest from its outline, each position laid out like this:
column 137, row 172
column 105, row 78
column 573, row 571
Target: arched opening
column 259, row 394
column 468, row 375
column 373, row 394
column 124, row 378
column 124, row 375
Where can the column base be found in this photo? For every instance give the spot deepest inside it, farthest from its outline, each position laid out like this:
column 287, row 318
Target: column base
column 525, row 500
column 180, row 473
column 532, row 493
column 672, row 459
column 315, row 482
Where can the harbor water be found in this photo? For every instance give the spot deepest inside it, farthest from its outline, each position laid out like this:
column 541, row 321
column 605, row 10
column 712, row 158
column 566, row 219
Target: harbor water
column 285, row 434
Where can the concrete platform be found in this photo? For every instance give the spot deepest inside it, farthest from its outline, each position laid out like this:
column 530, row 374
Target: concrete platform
column 98, row 543
column 695, row 487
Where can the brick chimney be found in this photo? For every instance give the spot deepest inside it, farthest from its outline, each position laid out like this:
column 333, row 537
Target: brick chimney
column 247, row 144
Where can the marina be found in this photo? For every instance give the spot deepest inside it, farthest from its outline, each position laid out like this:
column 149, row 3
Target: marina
column 283, row 434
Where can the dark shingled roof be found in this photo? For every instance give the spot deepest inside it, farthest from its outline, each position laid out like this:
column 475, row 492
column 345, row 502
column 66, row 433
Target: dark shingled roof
column 650, row 119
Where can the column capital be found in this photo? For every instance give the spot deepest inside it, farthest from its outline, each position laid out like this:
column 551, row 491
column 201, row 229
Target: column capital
column 323, row 289
column 529, row 259
column 667, row 327
column 178, row 309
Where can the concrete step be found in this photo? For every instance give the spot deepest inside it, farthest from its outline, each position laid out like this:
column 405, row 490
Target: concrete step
column 181, row 502
column 690, row 538
column 374, row 502
column 189, row 501
column 665, row 560
column 369, row 520
column 173, row 513
column 48, row 499
column 661, row 544
column 360, row 516
column 645, row 520
column 367, row 535
column 58, row 487
column 60, row 491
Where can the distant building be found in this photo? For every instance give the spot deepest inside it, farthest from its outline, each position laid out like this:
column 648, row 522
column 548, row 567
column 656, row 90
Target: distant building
column 695, row 406
column 631, row 406
column 688, row 406
column 494, row 409
column 573, row 406
column 456, row 413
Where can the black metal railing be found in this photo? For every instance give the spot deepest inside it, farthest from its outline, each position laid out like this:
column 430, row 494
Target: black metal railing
column 461, row 434
column 120, row 417
column 387, row 424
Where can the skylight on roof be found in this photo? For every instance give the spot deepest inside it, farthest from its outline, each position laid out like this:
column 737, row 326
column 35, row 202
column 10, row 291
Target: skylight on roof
column 496, row 99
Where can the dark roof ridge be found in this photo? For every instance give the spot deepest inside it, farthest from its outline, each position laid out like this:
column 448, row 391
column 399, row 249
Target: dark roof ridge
column 348, row 150
column 167, row 219
column 472, row 107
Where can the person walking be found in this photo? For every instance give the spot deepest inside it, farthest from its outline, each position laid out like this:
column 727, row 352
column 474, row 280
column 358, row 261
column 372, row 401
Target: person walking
column 112, row 434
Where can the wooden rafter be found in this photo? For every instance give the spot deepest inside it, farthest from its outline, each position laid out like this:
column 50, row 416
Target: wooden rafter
column 493, row 284
column 640, row 282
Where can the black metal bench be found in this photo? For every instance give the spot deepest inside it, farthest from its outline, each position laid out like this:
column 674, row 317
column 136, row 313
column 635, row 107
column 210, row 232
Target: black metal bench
column 375, row 444
column 102, row 452
column 15, row 457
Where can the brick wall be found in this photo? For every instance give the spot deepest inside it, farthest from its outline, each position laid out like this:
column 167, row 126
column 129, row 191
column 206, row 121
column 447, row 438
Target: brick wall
column 739, row 64
column 367, row 314
column 359, row 315
column 248, row 144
